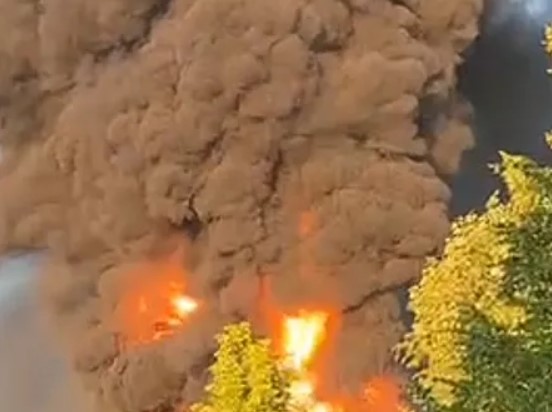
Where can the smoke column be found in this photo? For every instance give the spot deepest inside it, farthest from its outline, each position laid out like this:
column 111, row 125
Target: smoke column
column 129, row 128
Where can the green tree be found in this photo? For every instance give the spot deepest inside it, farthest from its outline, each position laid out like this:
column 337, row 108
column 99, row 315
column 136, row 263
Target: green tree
column 246, row 376
column 482, row 333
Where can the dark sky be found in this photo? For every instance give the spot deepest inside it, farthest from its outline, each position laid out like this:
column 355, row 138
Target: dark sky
column 505, row 79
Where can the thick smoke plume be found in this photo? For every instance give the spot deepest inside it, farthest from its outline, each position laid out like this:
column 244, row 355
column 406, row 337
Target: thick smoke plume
column 130, row 128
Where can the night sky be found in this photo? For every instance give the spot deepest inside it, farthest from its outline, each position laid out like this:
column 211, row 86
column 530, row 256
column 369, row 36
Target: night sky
column 505, row 79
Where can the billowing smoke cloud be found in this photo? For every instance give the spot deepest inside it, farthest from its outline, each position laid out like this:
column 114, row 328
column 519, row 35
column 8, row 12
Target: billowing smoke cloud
column 131, row 126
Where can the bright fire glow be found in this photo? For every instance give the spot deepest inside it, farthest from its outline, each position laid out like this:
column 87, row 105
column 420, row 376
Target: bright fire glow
column 154, row 303
column 184, row 305
column 382, row 394
column 181, row 306
column 303, row 334
column 164, row 313
column 302, row 337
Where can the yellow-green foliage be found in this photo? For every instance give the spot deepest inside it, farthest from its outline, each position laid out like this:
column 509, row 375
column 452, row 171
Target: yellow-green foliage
column 469, row 276
column 548, row 39
column 246, row 376
column 466, row 288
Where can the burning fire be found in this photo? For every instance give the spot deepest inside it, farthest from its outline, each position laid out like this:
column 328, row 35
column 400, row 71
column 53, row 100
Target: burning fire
column 154, row 302
column 184, row 305
column 302, row 336
column 158, row 316
column 180, row 307
column 382, row 394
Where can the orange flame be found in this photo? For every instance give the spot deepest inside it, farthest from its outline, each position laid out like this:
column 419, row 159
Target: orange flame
column 184, row 305
column 154, row 303
column 302, row 336
column 181, row 306
column 383, row 394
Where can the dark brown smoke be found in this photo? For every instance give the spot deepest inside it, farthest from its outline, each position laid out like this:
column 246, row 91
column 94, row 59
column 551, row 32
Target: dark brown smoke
column 129, row 127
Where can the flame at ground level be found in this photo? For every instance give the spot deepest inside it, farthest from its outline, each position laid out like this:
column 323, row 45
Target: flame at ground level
column 154, row 304
column 302, row 336
column 383, row 394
